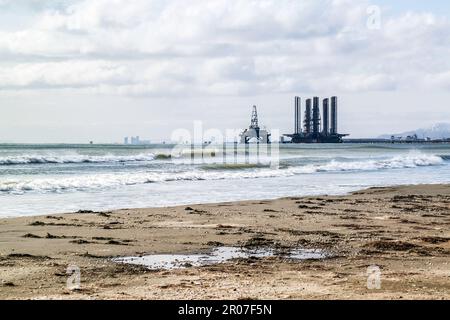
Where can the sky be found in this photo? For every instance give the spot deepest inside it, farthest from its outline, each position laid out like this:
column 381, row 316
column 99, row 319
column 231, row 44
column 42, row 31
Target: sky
column 80, row 70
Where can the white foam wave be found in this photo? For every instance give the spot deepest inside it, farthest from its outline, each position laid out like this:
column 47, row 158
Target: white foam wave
column 412, row 160
column 101, row 181
column 61, row 159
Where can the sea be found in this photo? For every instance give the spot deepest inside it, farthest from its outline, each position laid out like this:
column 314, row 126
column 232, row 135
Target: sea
column 48, row 179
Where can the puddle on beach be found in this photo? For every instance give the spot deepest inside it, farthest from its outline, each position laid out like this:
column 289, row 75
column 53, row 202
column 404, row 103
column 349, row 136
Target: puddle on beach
column 216, row 256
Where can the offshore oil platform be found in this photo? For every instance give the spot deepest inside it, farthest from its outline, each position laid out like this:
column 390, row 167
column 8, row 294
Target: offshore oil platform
column 254, row 134
column 314, row 129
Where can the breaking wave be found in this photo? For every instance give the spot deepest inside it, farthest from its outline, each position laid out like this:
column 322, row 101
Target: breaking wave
column 62, row 159
column 234, row 166
column 397, row 162
column 100, row 181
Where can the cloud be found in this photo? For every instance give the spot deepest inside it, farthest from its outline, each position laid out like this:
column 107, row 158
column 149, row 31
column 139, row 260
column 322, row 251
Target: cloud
column 62, row 74
column 223, row 47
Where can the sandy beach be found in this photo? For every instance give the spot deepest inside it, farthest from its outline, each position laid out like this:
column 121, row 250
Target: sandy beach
column 405, row 231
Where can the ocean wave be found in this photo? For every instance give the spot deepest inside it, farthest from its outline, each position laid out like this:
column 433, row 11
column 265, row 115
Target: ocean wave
column 163, row 156
column 73, row 159
column 221, row 172
column 234, row 166
column 101, row 181
column 398, row 162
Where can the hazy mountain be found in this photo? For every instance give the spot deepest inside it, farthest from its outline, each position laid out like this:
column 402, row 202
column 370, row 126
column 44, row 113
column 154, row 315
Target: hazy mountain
column 436, row 131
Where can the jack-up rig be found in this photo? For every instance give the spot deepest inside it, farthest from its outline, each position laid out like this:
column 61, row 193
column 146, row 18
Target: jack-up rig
column 314, row 129
column 254, row 134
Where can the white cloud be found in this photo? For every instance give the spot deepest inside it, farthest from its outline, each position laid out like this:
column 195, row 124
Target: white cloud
column 62, row 74
column 224, row 47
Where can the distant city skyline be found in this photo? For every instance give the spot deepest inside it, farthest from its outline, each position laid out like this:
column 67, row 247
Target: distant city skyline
column 94, row 70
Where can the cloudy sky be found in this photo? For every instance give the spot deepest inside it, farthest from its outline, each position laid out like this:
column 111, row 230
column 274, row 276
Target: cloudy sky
column 80, row 70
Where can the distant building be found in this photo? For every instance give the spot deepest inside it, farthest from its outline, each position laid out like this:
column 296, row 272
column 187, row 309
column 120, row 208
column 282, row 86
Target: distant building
column 135, row 141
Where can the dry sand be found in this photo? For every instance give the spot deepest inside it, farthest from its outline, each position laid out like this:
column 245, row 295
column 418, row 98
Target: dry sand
column 403, row 230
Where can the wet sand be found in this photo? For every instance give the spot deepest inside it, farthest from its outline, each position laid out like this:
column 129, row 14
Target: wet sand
column 405, row 231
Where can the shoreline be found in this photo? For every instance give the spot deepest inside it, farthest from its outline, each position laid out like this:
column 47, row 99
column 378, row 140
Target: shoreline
column 402, row 229
column 344, row 193
column 185, row 204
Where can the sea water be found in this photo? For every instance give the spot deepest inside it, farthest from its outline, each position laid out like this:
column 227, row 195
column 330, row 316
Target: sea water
column 217, row 256
column 44, row 179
